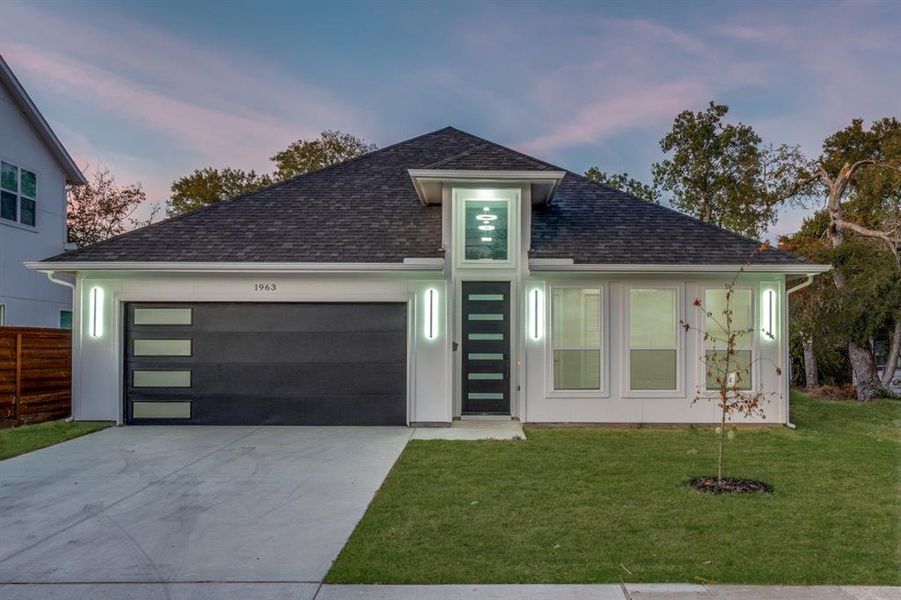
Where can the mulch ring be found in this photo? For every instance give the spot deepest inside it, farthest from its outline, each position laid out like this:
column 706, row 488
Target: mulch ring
column 729, row 485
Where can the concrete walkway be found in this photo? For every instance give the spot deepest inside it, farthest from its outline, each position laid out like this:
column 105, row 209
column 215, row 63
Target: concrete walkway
column 488, row 429
column 157, row 505
column 314, row 591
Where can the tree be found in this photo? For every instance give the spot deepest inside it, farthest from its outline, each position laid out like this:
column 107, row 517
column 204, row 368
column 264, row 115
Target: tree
column 859, row 173
column 723, row 174
column 208, row 186
column 304, row 156
column 624, row 183
column 721, row 336
column 101, row 209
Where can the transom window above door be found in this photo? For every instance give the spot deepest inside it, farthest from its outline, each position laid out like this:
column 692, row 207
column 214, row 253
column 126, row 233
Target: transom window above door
column 486, row 224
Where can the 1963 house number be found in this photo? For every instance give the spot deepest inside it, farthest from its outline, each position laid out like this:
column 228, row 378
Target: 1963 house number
column 264, row 287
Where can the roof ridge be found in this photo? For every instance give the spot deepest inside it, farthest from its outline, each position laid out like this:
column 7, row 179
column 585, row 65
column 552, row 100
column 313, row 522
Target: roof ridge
column 486, row 142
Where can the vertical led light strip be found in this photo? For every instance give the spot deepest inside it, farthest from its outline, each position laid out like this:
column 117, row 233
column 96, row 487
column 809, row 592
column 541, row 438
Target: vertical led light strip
column 536, row 314
column 431, row 316
column 96, row 312
column 769, row 314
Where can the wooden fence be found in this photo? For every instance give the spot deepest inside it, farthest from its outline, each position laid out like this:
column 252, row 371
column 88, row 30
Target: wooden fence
column 35, row 375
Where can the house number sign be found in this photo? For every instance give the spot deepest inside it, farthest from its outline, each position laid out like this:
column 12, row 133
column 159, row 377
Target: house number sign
column 264, row 287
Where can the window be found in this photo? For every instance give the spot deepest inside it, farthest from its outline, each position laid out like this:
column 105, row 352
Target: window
column 18, row 194
column 653, row 339
column 577, row 332
column 485, row 231
column 2, row 314
column 65, row 319
column 737, row 368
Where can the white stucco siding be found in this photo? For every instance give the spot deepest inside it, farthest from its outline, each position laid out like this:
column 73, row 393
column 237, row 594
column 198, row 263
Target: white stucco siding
column 30, row 299
column 615, row 403
column 98, row 364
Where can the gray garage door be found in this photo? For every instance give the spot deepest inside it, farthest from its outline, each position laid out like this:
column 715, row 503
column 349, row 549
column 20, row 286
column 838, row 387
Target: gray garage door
column 223, row 363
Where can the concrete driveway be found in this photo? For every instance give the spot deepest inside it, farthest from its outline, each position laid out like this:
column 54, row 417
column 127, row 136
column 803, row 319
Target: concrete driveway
column 216, row 506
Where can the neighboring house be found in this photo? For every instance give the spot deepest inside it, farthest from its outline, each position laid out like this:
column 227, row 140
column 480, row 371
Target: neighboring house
column 442, row 277
column 34, row 171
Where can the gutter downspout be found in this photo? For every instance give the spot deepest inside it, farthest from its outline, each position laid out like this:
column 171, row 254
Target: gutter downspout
column 788, row 293
column 71, row 285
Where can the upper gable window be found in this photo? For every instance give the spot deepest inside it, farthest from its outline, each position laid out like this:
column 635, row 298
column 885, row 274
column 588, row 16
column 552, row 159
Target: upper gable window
column 18, row 194
column 486, row 218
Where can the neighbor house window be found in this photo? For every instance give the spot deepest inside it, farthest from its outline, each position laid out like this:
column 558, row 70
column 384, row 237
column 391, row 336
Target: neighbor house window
column 577, row 334
column 65, row 319
column 2, row 314
column 653, row 339
column 738, row 371
column 18, row 194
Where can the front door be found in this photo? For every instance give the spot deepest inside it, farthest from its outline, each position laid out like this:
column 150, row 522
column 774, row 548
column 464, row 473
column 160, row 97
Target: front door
column 486, row 347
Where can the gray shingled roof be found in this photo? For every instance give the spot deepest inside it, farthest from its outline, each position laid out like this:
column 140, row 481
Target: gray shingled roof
column 366, row 210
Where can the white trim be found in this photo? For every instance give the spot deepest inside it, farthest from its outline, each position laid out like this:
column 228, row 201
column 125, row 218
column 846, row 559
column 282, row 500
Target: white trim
column 604, row 390
column 513, row 197
column 34, row 116
column 625, row 370
column 409, row 264
column 566, row 264
column 468, row 175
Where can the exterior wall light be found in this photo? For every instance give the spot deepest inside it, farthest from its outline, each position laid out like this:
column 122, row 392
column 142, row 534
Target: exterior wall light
column 536, row 314
column 431, row 313
column 768, row 306
column 96, row 306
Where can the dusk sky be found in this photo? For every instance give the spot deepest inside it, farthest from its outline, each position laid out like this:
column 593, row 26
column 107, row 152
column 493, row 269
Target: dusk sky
column 154, row 90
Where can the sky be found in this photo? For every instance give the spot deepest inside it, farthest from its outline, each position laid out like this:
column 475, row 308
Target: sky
column 154, row 90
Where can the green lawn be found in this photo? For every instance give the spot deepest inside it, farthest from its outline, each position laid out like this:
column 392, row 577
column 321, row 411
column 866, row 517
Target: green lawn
column 600, row 505
column 32, row 437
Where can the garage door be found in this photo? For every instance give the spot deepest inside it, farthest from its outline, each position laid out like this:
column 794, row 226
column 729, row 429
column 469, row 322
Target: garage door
column 271, row 364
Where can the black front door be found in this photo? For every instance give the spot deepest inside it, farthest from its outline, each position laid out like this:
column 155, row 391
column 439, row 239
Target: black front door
column 486, row 347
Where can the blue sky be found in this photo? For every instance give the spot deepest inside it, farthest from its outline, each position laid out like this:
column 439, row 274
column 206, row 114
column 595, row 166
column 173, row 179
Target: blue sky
column 154, row 90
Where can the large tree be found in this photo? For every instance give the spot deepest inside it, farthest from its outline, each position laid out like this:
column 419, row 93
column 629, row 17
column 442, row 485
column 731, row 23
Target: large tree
column 624, row 183
column 859, row 174
column 304, row 156
column 208, row 186
column 722, row 173
column 101, row 209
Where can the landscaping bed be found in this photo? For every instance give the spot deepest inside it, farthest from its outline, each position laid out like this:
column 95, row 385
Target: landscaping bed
column 582, row 505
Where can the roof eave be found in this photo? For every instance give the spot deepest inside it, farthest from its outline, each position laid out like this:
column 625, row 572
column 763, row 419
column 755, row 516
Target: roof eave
column 34, row 116
column 408, row 265
column 568, row 265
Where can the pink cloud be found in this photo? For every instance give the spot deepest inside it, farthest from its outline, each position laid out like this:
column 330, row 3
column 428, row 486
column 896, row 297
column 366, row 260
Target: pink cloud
column 223, row 108
column 642, row 106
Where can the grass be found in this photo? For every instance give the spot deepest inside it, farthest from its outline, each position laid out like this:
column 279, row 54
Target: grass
column 28, row 438
column 585, row 505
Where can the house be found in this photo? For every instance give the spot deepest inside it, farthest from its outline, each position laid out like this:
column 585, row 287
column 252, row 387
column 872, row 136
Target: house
column 34, row 171
column 442, row 277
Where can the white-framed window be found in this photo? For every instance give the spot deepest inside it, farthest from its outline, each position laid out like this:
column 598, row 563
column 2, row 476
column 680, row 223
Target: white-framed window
column 654, row 356
column 739, row 368
column 18, row 194
column 577, row 338
column 486, row 230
